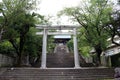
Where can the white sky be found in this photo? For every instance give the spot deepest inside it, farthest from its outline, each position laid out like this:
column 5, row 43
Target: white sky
column 52, row 7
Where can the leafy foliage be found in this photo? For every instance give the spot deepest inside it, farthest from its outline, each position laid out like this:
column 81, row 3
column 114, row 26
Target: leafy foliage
column 70, row 45
column 7, row 49
column 19, row 20
column 113, row 26
column 51, row 44
column 92, row 16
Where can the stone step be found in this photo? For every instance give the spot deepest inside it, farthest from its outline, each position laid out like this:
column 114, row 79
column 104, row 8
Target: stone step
column 56, row 74
column 60, row 60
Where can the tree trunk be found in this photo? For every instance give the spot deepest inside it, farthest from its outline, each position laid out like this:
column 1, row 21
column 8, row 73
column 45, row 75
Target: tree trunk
column 19, row 55
column 19, row 60
column 1, row 34
column 21, row 47
column 98, row 53
column 23, row 60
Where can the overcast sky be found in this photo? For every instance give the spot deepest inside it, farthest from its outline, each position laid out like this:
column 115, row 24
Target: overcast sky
column 52, row 7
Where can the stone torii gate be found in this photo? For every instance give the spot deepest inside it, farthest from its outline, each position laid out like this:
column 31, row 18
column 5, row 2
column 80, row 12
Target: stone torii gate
column 46, row 32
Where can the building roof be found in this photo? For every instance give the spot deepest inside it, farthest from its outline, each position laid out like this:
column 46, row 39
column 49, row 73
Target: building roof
column 62, row 36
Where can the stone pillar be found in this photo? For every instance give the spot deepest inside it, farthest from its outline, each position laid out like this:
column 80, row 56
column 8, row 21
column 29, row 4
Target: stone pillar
column 44, row 50
column 76, row 55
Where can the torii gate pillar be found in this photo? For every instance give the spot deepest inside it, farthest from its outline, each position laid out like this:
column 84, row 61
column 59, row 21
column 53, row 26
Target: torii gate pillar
column 44, row 49
column 76, row 55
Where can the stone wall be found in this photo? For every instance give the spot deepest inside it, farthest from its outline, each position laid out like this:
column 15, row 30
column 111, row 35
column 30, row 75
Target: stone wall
column 5, row 60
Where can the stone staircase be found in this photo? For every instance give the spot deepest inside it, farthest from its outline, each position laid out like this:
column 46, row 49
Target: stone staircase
column 60, row 66
column 56, row 74
column 62, row 60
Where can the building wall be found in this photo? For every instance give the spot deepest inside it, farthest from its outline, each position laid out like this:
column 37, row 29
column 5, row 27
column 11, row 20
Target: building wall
column 109, row 54
column 112, row 51
column 5, row 60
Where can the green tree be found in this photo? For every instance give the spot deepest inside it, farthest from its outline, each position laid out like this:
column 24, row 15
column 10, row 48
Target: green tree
column 18, row 22
column 113, row 26
column 51, row 44
column 70, row 45
column 7, row 49
column 84, row 45
column 92, row 16
column 33, row 47
column 3, row 20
